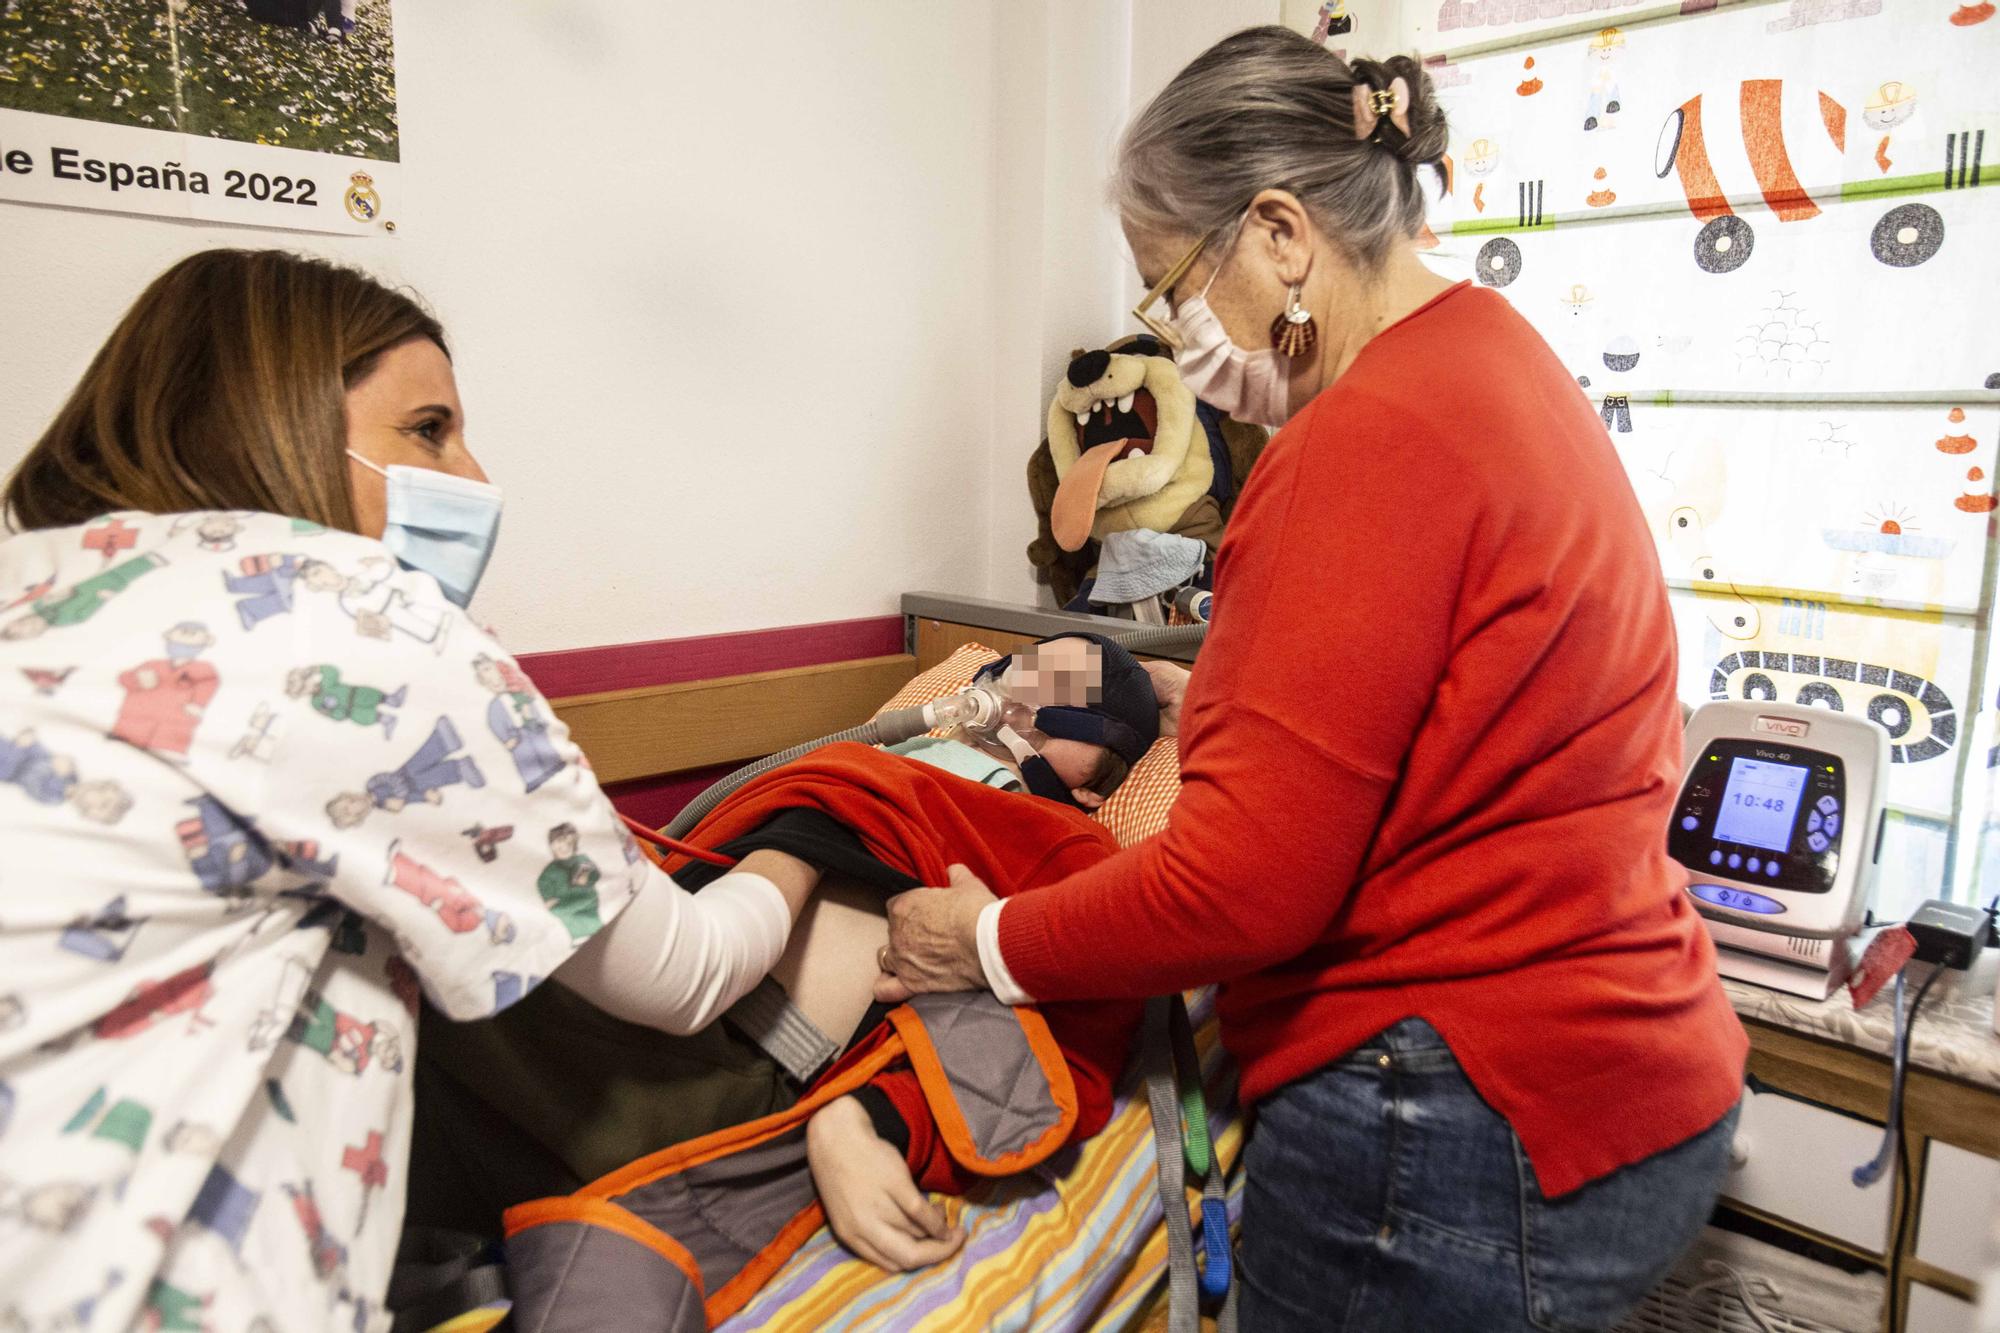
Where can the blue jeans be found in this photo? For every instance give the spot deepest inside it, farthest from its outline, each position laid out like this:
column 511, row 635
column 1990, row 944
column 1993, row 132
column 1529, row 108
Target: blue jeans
column 1383, row 1193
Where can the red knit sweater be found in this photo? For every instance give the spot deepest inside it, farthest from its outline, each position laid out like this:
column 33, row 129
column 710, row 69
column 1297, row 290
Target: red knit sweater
column 1428, row 757
column 921, row 820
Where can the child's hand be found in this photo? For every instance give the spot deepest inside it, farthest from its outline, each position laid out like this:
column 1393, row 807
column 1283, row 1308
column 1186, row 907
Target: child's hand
column 871, row 1202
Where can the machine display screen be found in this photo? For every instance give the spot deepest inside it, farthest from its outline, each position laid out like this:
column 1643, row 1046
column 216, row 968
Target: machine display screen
column 1760, row 803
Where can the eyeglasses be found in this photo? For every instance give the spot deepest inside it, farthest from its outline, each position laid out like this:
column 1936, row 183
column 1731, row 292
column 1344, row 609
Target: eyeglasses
column 1161, row 328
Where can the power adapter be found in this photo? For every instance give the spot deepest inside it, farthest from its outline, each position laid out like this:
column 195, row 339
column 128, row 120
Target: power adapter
column 1948, row 934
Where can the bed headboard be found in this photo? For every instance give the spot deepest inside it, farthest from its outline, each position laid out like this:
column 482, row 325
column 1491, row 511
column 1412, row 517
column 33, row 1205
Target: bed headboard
column 939, row 623
column 658, row 731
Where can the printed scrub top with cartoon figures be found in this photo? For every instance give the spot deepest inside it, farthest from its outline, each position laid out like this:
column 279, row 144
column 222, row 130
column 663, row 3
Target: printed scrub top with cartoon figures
column 258, row 786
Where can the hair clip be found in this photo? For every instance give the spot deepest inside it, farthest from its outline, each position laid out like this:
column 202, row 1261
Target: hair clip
column 1372, row 104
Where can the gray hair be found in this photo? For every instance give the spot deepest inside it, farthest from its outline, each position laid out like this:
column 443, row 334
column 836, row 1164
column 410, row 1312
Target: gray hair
column 1268, row 108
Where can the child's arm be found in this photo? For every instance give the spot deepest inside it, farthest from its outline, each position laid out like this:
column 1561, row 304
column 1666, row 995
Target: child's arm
column 1095, row 1039
column 871, row 1202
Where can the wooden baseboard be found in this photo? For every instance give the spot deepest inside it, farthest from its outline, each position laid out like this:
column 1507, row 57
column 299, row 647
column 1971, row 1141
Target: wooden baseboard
column 646, row 732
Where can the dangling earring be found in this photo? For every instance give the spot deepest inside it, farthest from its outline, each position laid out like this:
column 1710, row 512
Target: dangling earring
column 1295, row 332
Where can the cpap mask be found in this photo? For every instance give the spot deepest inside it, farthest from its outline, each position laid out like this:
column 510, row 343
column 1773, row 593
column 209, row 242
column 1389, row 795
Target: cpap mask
column 995, row 721
column 1012, row 709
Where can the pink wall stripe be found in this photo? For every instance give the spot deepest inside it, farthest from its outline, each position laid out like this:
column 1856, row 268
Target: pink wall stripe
column 655, row 801
column 626, row 666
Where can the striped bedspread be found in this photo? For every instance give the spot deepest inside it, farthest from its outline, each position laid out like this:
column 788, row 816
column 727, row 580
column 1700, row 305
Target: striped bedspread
column 1076, row 1244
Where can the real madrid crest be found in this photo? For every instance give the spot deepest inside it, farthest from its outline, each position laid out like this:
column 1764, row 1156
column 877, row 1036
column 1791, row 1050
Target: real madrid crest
column 363, row 203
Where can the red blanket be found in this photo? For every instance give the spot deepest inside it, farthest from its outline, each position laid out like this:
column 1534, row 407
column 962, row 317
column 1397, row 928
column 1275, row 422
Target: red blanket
column 921, row 820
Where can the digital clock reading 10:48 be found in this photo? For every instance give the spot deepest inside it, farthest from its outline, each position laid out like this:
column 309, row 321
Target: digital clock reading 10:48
column 1758, row 802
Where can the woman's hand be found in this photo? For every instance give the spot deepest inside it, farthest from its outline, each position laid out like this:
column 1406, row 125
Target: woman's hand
column 934, row 940
column 871, row 1202
column 1170, row 684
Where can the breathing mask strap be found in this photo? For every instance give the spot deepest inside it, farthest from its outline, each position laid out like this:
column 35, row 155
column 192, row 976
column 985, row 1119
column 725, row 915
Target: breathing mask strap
column 1037, row 772
column 1017, row 744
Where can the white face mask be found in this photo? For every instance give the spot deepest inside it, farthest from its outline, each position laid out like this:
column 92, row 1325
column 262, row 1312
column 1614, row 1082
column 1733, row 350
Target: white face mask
column 1252, row 387
column 442, row 524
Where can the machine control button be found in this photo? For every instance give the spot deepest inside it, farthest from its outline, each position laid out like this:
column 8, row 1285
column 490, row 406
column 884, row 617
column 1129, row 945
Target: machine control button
column 1715, row 858
column 1833, row 826
column 1690, row 823
column 1828, row 806
column 1741, row 900
column 1817, row 841
column 1813, row 821
column 1753, row 865
column 1771, row 869
column 1735, row 861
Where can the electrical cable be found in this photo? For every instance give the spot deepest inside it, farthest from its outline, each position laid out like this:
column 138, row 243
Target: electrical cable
column 1892, row 1136
column 1871, row 1171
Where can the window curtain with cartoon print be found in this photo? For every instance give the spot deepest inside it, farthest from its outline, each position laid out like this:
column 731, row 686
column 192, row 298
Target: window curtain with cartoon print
column 1758, row 235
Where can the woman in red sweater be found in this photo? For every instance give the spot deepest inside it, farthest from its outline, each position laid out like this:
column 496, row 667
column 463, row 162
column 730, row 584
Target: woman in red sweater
column 1428, row 755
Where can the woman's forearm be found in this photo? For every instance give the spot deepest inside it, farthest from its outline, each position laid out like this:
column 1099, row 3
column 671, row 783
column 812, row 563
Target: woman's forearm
column 675, row 961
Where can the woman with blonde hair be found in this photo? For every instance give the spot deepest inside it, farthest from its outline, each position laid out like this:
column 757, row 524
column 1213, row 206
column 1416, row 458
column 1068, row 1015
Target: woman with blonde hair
column 245, row 725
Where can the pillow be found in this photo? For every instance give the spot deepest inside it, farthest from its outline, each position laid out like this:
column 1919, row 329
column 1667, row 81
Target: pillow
column 947, row 677
column 1136, row 811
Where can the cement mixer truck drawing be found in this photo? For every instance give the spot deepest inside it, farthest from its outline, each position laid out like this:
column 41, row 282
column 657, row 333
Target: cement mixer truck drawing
column 1718, row 144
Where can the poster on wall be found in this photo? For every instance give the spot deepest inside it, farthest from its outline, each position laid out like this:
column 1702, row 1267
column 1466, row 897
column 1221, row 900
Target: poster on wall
column 269, row 113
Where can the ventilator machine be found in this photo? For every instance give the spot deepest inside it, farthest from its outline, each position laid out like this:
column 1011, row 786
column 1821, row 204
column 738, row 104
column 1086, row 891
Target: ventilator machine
column 1779, row 824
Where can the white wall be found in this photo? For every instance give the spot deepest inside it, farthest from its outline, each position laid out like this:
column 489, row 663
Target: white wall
column 1382, row 28
column 755, row 308
column 1071, row 74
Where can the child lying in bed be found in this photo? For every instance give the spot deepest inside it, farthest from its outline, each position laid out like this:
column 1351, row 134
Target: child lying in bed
column 1086, row 763
column 554, row 1093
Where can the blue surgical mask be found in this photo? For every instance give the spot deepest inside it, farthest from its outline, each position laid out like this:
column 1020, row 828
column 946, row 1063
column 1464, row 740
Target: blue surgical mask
column 440, row 524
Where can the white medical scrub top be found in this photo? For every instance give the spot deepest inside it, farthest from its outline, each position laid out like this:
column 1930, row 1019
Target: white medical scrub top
column 258, row 787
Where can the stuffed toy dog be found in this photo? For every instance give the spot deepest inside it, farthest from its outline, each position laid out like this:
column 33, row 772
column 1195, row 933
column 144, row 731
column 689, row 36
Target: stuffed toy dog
column 1134, row 482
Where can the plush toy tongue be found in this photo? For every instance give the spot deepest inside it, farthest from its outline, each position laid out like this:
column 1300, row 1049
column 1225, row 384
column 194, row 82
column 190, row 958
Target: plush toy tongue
column 1075, row 506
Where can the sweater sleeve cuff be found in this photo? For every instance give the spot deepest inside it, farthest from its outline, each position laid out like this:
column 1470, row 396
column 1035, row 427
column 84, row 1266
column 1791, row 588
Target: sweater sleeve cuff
column 1021, row 947
column 889, row 1124
column 901, row 1090
column 1002, row 982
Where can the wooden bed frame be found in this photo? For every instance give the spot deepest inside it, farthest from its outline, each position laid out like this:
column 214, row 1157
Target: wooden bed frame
column 662, row 730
